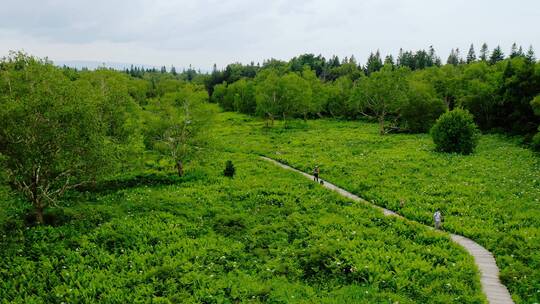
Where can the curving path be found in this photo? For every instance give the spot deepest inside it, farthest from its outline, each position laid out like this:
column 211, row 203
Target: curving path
column 495, row 292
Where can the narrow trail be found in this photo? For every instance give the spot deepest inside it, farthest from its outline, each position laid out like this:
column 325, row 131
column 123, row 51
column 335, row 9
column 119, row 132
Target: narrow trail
column 495, row 292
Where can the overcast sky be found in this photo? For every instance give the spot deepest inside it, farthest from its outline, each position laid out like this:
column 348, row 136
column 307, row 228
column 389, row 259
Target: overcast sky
column 203, row 32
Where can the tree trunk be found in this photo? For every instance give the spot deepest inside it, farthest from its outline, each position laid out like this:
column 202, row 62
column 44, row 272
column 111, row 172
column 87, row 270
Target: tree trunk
column 180, row 168
column 39, row 214
column 381, row 125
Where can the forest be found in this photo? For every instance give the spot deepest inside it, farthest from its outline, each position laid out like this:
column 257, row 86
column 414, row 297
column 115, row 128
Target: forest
column 407, row 94
column 112, row 185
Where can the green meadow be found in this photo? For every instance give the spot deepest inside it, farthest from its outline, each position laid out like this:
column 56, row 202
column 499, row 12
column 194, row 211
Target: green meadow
column 491, row 196
column 266, row 235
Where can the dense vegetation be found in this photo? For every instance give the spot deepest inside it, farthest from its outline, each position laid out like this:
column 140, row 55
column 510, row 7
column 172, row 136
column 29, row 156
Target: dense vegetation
column 264, row 236
column 406, row 95
column 113, row 185
column 62, row 129
column 455, row 132
column 491, row 196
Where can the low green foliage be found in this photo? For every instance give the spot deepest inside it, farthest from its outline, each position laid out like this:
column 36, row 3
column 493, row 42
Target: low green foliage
column 229, row 169
column 491, row 196
column 455, row 132
column 266, row 236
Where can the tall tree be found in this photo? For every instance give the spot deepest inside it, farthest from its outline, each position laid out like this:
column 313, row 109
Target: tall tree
column 432, row 55
column 381, row 95
column 283, row 96
column 176, row 124
column 453, row 58
column 496, row 56
column 389, row 60
column 471, row 56
column 515, row 51
column 530, row 55
column 374, row 63
column 51, row 132
column 484, row 52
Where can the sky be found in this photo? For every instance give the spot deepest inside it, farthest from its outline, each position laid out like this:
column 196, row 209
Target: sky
column 204, row 32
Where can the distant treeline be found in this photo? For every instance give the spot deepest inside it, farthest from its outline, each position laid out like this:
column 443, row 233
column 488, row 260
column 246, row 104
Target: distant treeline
column 406, row 94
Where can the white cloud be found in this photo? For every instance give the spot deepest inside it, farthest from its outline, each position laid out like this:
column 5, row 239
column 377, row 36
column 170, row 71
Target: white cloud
column 161, row 32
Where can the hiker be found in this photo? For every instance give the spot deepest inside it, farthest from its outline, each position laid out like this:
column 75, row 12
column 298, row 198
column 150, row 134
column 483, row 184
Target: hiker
column 437, row 217
column 316, row 172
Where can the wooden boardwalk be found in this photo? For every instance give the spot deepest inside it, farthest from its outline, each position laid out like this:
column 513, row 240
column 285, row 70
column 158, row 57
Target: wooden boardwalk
column 495, row 292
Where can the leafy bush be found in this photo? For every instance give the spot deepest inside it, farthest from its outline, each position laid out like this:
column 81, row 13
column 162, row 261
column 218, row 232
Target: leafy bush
column 536, row 141
column 535, row 104
column 229, row 169
column 421, row 109
column 455, row 131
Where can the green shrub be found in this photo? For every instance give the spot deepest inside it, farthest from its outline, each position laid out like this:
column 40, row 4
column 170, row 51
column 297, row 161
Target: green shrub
column 229, row 169
column 422, row 109
column 536, row 141
column 455, row 131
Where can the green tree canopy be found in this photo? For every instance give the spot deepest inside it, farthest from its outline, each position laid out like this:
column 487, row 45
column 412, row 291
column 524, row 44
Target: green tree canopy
column 381, row 95
column 53, row 134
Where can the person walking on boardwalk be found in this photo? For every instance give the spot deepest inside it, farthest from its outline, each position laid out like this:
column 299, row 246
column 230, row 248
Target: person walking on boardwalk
column 437, row 218
column 316, row 172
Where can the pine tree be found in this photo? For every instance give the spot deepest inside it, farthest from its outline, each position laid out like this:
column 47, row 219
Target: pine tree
column 458, row 55
column 530, row 55
column 471, row 56
column 229, row 169
column 374, row 63
column 173, row 70
column 453, row 58
column 352, row 60
column 163, row 70
column 484, row 52
column 520, row 51
column 496, row 56
column 514, row 51
column 399, row 61
column 389, row 60
column 434, row 60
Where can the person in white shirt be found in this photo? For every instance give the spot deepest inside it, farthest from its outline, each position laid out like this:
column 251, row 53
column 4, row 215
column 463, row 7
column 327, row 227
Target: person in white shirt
column 437, row 217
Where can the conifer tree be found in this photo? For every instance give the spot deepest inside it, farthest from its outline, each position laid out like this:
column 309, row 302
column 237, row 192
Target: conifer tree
column 353, row 60
column 496, row 56
column 399, row 61
column 514, row 52
column 433, row 58
column 520, row 51
column 432, row 55
column 374, row 63
column 389, row 60
column 530, row 55
column 453, row 58
column 471, row 56
column 484, row 52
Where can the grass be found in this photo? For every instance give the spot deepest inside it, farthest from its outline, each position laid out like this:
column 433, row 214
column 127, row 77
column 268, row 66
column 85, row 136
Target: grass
column 264, row 236
column 492, row 196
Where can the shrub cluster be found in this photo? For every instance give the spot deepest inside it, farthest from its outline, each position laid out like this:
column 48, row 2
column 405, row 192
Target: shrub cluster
column 455, row 131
